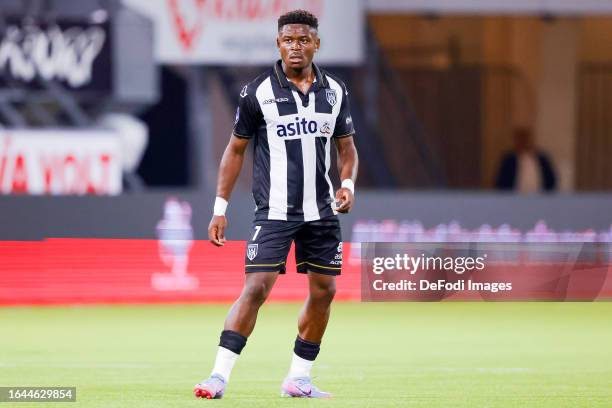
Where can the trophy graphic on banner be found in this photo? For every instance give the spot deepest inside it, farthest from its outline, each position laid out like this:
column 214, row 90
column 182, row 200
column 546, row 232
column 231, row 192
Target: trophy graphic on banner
column 175, row 241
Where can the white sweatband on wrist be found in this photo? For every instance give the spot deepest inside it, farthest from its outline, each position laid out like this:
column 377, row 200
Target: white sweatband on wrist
column 220, row 206
column 349, row 185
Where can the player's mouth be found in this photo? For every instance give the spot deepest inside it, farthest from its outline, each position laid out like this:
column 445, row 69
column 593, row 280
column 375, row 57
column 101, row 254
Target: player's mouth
column 296, row 58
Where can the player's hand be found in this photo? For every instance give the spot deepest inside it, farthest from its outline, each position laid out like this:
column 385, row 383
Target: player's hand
column 344, row 200
column 216, row 230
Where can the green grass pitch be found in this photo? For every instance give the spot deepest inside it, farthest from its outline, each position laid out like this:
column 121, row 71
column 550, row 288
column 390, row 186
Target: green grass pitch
column 373, row 355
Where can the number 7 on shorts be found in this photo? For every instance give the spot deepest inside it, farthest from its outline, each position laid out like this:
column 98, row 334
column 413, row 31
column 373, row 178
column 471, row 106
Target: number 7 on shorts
column 257, row 229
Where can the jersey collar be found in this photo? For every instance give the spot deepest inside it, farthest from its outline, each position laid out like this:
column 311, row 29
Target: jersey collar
column 285, row 83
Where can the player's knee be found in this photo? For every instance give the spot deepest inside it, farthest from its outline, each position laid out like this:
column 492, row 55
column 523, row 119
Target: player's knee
column 330, row 292
column 324, row 293
column 256, row 293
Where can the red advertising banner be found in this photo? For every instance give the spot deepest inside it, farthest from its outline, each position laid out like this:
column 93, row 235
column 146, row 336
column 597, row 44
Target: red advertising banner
column 69, row 271
column 89, row 271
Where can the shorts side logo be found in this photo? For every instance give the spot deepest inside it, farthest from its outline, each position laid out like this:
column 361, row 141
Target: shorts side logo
column 252, row 251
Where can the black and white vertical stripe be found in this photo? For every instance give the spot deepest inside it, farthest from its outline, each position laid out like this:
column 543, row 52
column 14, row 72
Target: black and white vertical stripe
column 291, row 172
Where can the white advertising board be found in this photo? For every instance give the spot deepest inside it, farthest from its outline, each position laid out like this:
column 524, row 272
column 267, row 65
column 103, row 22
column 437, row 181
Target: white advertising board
column 235, row 32
column 60, row 162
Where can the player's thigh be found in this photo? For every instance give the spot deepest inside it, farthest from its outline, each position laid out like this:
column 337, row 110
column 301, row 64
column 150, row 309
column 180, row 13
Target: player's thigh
column 269, row 245
column 318, row 247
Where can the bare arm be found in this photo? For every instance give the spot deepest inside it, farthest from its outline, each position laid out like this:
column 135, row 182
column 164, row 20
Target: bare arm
column 231, row 164
column 347, row 167
column 229, row 169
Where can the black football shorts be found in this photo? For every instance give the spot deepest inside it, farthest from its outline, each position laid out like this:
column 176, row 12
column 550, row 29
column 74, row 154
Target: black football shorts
column 318, row 246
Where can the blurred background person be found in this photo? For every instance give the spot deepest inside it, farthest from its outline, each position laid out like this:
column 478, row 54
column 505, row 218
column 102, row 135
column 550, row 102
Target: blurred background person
column 526, row 169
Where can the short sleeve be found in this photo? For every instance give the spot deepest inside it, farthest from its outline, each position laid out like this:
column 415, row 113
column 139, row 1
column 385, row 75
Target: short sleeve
column 344, row 121
column 248, row 114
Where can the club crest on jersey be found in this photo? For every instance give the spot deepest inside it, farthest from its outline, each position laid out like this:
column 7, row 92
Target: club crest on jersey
column 332, row 98
column 252, row 251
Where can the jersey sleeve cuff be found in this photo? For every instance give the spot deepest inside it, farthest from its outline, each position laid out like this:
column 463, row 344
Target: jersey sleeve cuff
column 242, row 136
column 345, row 135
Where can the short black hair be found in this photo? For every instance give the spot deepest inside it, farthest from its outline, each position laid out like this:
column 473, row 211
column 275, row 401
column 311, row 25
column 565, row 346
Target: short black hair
column 298, row 17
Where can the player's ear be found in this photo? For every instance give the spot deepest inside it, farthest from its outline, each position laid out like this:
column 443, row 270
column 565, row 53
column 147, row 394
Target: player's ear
column 277, row 42
column 317, row 44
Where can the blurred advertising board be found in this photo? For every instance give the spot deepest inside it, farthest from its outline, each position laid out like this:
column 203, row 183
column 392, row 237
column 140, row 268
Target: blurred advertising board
column 68, row 271
column 60, row 162
column 244, row 32
column 76, row 54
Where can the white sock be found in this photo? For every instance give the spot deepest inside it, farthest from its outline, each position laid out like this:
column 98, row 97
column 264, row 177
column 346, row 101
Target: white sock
column 224, row 363
column 299, row 367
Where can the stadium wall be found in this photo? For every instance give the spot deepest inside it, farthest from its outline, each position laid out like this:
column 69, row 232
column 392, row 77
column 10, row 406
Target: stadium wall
column 136, row 215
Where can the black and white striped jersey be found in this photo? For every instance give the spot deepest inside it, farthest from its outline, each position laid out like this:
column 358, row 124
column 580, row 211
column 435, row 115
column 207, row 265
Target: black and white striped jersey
column 292, row 135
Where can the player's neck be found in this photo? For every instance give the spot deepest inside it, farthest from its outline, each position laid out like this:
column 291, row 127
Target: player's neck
column 300, row 77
